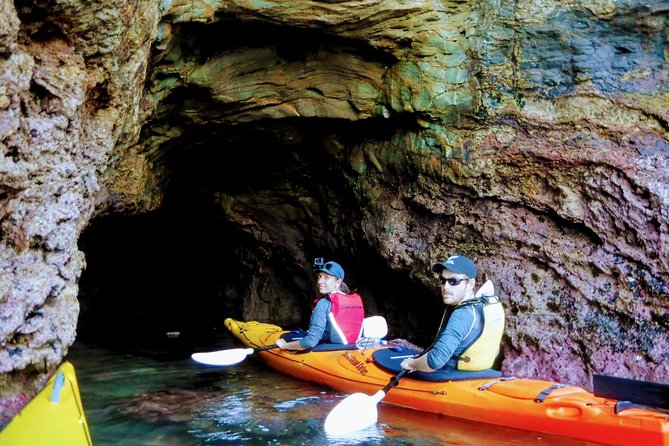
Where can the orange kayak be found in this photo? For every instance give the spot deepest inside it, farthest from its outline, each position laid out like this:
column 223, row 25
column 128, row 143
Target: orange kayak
column 568, row 411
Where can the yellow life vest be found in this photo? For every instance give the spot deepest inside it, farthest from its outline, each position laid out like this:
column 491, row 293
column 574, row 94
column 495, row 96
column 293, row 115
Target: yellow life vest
column 483, row 351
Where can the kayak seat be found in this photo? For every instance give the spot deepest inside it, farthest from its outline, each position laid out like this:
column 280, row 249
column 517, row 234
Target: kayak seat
column 323, row 347
column 390, row 358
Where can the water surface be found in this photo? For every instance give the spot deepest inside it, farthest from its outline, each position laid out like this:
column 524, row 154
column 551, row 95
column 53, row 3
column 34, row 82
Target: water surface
column 159, row 396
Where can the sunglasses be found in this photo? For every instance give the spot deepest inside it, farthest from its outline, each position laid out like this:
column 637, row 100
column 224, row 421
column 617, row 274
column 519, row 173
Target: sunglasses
column 452, row 281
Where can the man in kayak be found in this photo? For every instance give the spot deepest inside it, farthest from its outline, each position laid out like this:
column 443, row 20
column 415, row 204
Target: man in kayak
column 336, row 317
column 472, row 336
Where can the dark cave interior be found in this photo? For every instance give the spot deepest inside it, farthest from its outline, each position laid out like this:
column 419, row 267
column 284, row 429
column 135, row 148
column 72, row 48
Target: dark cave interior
column 186, row 266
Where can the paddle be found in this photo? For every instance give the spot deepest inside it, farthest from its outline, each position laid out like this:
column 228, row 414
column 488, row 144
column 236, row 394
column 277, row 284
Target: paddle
column 358, row 411
column 228, row 357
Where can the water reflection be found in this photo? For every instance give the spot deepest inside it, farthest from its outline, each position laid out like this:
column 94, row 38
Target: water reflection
column 161, row 397
column 370, row 435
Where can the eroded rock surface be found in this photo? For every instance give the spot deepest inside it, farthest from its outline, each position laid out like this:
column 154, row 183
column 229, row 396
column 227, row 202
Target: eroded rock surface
column 530, row 136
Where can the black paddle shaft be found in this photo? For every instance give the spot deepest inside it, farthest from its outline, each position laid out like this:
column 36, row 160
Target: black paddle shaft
column 267, row 347
column 395, row 380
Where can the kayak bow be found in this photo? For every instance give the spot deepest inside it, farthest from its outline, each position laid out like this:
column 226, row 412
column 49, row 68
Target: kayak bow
column 54, row 417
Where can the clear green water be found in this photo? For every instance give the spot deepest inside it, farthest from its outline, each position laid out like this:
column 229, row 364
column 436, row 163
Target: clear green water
column 158, row 396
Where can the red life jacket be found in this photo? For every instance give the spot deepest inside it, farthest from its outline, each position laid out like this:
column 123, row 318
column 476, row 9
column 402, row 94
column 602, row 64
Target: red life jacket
column 346, row 316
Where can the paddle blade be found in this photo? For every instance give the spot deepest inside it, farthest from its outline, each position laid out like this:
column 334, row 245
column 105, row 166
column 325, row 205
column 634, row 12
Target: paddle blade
column 222, row 357
column 355, row 412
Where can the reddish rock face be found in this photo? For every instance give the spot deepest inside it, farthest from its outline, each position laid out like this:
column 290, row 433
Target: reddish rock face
column 388, row 136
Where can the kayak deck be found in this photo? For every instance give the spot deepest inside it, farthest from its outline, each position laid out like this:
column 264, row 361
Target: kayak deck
column 54, row 417
column 529, row 404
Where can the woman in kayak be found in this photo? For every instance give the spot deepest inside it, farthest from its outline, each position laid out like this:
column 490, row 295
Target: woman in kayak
column 336, row 317
column 472, row 336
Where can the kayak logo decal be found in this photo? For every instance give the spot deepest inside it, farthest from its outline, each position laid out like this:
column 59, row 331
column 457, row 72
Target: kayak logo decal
column 355, row 362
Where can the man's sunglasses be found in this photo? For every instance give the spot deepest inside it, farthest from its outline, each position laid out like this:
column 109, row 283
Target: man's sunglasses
column 452, row 281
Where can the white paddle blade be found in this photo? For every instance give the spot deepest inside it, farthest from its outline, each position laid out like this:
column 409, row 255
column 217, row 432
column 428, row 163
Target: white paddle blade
column 374, row 327
column 355, row 412
column 222, row 357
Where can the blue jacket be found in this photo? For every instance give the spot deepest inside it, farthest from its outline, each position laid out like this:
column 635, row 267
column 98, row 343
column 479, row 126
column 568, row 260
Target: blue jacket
column 462, row 329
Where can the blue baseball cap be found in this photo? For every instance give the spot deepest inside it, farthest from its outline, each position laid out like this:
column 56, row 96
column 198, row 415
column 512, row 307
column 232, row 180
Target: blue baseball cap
column 333, row 269
column 457, row 264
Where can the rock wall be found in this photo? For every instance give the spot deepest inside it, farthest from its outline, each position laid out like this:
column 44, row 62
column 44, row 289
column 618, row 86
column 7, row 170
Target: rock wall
column 531, row 136
column 64, row 71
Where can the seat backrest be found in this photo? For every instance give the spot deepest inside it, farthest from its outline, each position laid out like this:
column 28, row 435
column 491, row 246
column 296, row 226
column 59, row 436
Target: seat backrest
column 487, row 289
column 374, row 327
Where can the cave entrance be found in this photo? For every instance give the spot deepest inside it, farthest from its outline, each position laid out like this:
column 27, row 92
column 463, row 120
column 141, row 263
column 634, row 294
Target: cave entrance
column 187, row 265
column 241, row 220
